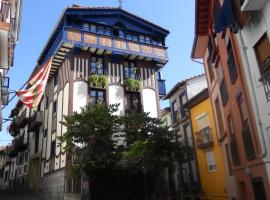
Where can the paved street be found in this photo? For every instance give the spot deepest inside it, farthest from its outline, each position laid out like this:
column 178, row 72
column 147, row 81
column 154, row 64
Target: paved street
column 19, row 195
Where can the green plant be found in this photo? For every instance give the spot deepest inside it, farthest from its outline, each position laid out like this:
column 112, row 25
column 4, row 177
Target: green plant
column 133, row 84
column 99, row 81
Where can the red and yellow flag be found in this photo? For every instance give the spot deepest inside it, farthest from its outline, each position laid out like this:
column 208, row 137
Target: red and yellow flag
column 31, row 97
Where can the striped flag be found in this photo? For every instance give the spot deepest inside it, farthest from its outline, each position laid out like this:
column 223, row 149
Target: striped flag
column 31, row 97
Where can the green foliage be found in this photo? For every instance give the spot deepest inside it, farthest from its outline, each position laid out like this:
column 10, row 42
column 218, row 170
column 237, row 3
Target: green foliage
column 133, row 84
column 99, row 81
column 149, row 144
column 90, row 137
column 93, row 136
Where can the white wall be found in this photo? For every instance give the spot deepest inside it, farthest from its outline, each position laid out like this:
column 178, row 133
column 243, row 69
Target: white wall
column 79, row 95
column 116, row 96
column 195, row 86
column 149, row 98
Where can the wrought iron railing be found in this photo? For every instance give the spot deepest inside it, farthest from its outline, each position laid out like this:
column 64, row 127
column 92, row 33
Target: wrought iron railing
column 204, row 138
column 21, row 120
column 265, row 77
column 35, row 121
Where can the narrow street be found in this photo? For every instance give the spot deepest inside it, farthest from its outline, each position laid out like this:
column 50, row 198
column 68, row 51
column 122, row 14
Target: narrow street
column 19, row 195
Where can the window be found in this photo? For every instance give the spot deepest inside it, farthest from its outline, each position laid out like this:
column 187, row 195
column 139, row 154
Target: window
column 96, row 66
column 246, row 135
column 45, row 132
column 47, row 103
column 262, row 50
column 133, row 103
column 93, row 28
column 147, row 39
column 131, row 71
column 183, row 100
column 211, row 161
column 228, row 159
column 53, row 147
column 188, row 141
column 231, row 63
column 219, row 118
column 85, row 26
column 210, row 71
column 258, row 188
column 142, row 39
column 36, row 141
column 54, row 107
column 223, row 92
column 202, row 121
column 97, row 96
column 210, row 51
column 55, row 79
column 174, row 111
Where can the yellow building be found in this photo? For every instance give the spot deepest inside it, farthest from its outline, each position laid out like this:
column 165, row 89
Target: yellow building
column 208, row 150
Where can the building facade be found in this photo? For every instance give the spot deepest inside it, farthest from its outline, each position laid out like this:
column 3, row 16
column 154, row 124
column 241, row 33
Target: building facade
column 208, row 150
column 10, row 11
column 97, row 56
column 231, row 101
column 188, row 184
column 254, row 45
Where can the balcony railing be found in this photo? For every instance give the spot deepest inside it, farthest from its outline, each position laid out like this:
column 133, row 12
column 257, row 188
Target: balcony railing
column 80, row 37
column 13, row 129
column 265, row 77
column 35, row 121
column 161, row 87
column 248, row 143
column 21, row 120
column 21, row 143
column 204, row 139
column 234, row 151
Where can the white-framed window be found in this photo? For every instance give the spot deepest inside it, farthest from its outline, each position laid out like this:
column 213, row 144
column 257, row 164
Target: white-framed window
column 211, row 161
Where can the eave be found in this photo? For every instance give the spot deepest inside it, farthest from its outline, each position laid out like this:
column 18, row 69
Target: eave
column 202, row 20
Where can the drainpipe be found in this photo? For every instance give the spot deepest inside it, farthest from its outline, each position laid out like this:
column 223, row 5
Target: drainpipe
column 243, row 49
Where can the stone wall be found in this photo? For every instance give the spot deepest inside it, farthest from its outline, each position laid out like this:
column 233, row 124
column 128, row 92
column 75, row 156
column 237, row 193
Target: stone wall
column 53, row 185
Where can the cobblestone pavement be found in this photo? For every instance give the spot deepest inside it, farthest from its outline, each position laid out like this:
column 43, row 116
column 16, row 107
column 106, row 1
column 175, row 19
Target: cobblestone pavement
column 19, row 195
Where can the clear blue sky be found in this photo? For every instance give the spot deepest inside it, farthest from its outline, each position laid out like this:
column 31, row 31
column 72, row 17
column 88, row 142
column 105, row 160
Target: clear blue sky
column 40, row 17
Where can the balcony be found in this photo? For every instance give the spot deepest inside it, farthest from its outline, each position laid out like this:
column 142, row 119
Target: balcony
column 265, row 77
column 21, row 120
column 13, row 129
column 97, row 43
column 21, row 143
column 161, row 87
column 248, row 142
column 35, row 121
column 204, row 138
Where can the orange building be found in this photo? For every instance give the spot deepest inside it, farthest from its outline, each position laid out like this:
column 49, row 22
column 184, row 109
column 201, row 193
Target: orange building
column 236, row 128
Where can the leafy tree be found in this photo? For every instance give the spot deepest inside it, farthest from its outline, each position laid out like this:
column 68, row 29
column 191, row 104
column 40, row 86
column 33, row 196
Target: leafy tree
column 89, row 137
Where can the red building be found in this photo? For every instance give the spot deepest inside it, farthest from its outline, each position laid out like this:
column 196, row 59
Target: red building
column 237, row 132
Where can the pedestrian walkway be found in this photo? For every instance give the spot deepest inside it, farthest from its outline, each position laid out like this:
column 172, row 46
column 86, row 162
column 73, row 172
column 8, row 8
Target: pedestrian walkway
column 20, row 195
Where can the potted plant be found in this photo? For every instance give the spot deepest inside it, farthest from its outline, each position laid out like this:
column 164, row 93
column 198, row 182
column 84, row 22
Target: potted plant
column 133, row 84
column 98, row 81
